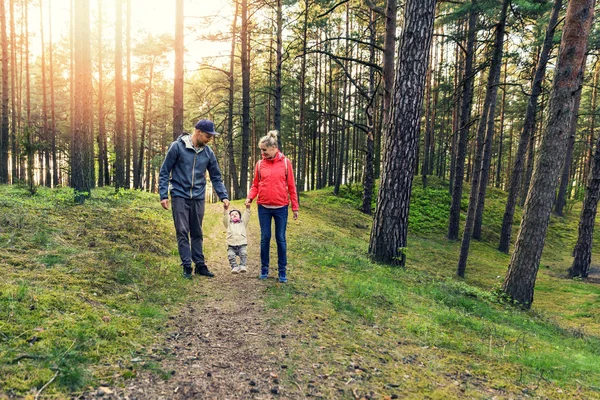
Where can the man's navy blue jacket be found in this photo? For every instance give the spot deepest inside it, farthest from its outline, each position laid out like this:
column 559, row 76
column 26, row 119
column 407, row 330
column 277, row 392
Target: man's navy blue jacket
column 184, row 169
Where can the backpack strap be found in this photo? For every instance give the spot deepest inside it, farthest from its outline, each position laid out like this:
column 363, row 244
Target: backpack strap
column 285, row 161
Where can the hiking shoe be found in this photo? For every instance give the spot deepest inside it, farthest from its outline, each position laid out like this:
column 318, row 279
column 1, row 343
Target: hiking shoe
column 203, row 270
column 282, row 277
column 243, row 269
column 235, row 270
column 187, row 276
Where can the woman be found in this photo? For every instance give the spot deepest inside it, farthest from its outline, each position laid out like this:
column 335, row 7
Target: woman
column 275, row 186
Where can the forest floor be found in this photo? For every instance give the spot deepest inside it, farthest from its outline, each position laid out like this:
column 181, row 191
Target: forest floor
column 93, row 305
column 220, row 345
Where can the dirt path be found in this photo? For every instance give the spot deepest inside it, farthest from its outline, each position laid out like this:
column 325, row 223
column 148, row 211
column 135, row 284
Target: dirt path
column 220, row 345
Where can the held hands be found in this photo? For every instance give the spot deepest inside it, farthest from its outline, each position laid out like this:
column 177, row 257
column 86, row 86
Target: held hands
column 165, row 204
column 226, row 204
column 247, row 203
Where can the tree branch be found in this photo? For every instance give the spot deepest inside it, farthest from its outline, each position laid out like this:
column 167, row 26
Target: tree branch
column 333, row 8
column 374, row 8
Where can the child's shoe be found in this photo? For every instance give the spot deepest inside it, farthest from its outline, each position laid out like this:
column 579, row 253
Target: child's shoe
column 243, row 269
column 235, row 270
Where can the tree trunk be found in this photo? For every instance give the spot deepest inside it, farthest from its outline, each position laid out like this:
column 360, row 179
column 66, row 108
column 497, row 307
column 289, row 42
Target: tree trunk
column 522, row 271
column 102, row 151
column 463, row 132
column 527, row 132
column 301, row 164
column 147, row 110
column 390, row 224
column 491, row 116
column 120, row 112
column 279, row 61
column 582, row 254
column 4, row 144
column 561, row 197
column 245, row 101
column 132, row 149
column 389, row 47
column 178, row 80
column 501, row 139
column 484, row 136
column 83, row 107
column 368, row 178
column 52, row 103
column 13, row 97
column 232, row 172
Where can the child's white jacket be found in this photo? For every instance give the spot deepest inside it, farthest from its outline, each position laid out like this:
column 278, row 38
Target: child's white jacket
column 236, row 233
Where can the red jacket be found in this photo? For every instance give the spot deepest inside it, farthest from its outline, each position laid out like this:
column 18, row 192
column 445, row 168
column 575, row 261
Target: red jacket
column 273, row 184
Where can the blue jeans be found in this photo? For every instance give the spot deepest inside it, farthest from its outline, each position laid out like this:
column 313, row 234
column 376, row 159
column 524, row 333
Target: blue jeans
column 280, row 215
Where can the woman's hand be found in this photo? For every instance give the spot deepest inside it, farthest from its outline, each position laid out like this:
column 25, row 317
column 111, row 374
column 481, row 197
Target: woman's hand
column 295, row 214
column 248, row 202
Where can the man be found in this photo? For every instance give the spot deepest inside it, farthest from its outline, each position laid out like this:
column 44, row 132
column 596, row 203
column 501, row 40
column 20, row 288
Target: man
column 183, row 174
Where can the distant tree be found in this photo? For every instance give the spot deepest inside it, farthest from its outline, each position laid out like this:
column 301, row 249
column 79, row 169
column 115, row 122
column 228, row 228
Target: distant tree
column 245, row 99
column 463, row 128
column 80, row 147
column 582, row 254
column 520, row 278
column 119, row 109
column 178, row 80
column 484, row 138
column 4, row 145
column 390, row 224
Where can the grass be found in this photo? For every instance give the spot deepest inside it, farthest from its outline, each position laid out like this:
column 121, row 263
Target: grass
column 87, row 289
column 380, row 315
column 84, row 287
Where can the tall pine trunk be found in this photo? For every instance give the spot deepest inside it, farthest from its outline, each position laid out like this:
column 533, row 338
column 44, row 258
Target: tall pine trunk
column 493, row 82
column 463, row 130
column 390, row 224
column 484, row 136
column 527, row 132
column 82, row 121
column 120, row 112
column 232, row 171
column 178, row 80
column 522, row 272
column 245, row 101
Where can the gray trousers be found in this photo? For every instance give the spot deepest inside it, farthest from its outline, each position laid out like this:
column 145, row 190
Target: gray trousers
column 237, row 251
column 188, row 215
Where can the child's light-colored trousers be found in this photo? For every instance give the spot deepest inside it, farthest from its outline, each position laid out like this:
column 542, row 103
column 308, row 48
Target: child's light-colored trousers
column 237, row 251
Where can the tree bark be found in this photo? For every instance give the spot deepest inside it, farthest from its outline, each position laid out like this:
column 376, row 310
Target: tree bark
column 232, row 170
column 245, row 101
column 582, row 254
column 80, row 151
column 390, row 225
column 522, row 272
column 178, row 80
column 120, row 112
column 493, row 82
column 484, row 136
column 102, row 151
column 463, row 132
column 279, row 61
column 527, row 132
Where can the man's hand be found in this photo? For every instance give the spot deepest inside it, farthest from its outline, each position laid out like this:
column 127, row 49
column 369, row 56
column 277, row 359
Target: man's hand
column 248, row 202
column 165, row 204
column 226, row 204
column 295, row 214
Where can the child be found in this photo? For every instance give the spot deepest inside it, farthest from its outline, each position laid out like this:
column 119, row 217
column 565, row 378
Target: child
column 236, row 238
